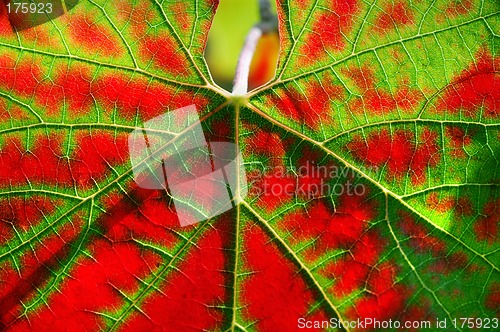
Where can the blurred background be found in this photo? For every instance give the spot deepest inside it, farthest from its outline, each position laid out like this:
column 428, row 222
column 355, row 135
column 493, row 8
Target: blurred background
column 233, row 21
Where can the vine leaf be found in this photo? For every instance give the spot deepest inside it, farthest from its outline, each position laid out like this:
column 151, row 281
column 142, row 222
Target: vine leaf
column 372, row 160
